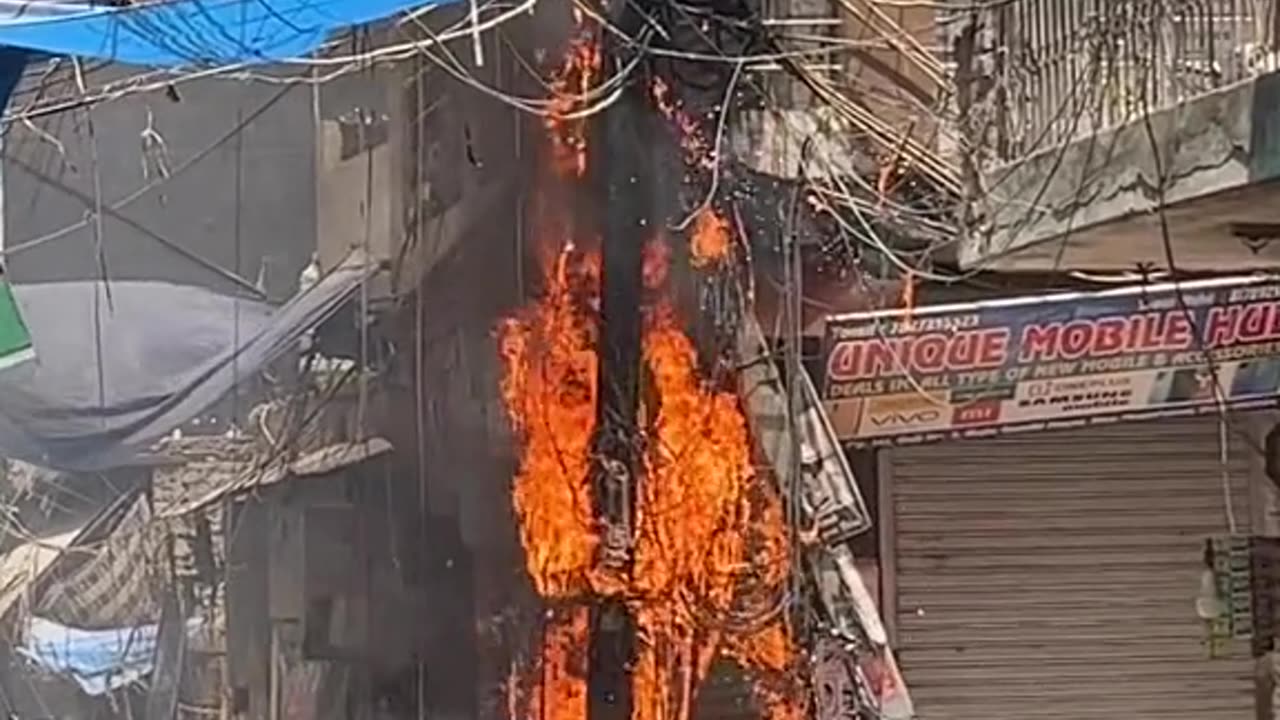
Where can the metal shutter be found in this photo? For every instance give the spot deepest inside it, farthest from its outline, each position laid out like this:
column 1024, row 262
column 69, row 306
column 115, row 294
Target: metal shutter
column 1053, row 575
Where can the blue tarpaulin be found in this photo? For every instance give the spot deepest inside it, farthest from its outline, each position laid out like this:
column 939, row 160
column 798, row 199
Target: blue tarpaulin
column 179, row 33
column 98, row 660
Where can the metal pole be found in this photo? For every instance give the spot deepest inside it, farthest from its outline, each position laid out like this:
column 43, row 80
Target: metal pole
column 621, row 165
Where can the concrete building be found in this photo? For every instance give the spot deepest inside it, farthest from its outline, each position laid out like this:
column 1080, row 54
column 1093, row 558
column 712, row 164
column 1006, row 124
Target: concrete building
column 1082, row 117
column 222, row 170
column 1054, row 574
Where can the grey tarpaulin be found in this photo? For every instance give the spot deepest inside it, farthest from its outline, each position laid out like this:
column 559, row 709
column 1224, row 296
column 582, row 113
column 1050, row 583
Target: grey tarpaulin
column 167, row 353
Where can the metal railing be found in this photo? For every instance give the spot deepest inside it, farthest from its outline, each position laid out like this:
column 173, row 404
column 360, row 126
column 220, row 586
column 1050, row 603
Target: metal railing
column 1054, row 70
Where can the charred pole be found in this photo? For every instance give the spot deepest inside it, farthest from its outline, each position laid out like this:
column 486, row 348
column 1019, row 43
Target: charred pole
column 620, row 149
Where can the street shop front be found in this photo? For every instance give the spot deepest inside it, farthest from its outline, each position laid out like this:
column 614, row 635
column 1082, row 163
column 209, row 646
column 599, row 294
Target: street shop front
column 1050, row 469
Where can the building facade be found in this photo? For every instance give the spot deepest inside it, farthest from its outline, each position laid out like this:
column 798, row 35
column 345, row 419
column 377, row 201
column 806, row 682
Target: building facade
column 1056, row 573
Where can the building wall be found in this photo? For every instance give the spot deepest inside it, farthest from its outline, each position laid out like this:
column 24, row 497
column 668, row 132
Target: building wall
column 890, row 83
column 327, row 603
column 465, row 453
column 246, row 203
column 462, row 274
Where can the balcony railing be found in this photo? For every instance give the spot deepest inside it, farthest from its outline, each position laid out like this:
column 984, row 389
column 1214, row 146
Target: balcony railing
column 1049, row 71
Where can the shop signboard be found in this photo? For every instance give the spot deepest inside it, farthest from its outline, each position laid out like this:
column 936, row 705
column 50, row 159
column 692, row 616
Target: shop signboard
column 1053, row 361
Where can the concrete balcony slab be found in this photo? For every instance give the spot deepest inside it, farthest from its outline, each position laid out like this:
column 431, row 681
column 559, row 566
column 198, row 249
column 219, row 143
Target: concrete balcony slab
column 1091, row 204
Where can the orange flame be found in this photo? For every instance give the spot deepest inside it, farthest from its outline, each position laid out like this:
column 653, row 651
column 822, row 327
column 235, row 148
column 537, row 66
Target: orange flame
column 770, row 651
column 561, row 668
column 655, row 264
column 566, row 121
column 550, row 393
column 710, row 531
column 698, row 151
column 710, row 241
column 698, row 470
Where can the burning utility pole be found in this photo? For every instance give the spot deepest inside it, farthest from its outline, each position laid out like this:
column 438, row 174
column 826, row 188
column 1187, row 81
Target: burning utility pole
column 620, row 149
column 667, row 541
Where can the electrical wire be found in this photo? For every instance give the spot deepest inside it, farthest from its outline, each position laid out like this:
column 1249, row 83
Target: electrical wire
column 1212, row 367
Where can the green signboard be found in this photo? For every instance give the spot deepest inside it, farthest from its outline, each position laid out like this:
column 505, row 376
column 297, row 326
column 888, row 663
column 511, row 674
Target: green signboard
column 15, row 339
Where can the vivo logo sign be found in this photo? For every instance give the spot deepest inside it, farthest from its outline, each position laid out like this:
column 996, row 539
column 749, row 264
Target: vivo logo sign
column 906, row 418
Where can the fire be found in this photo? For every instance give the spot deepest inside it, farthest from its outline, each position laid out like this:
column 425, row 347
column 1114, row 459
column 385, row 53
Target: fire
column 697, row 473
column 655, row 264
column 550, row 393
column 711, row 544
column 698, row 151
column 770, row 650
column 710, row 241
column 561, row 693
column 710, row 530
column 565, row 124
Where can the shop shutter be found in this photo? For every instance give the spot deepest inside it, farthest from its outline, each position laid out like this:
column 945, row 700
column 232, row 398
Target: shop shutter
column 1053, row 575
